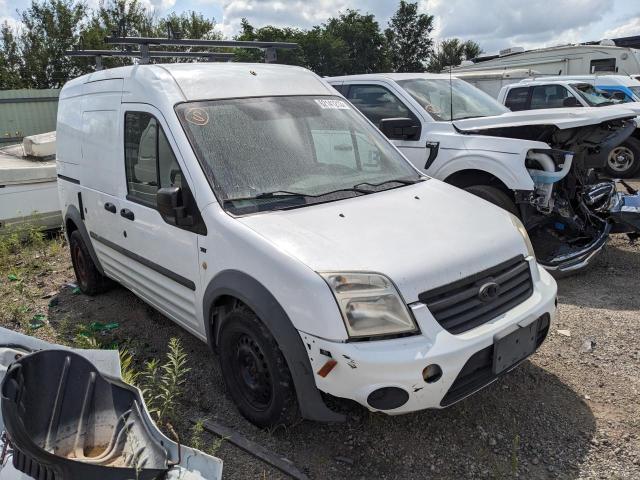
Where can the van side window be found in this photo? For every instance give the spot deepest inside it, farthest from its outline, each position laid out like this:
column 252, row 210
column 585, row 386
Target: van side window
column 149, row 161
column 517, row 99
column 377, row 102
column 551, row 96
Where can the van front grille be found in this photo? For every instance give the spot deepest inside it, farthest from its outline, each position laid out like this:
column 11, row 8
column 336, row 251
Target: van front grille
column 472, row 301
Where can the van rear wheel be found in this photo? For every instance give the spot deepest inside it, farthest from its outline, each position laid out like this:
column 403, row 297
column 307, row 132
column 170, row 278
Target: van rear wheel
column 254, row 370
column 494, row 195
column 89, row 279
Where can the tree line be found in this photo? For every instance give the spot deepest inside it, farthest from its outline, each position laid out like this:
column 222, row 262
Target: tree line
column 32, row 55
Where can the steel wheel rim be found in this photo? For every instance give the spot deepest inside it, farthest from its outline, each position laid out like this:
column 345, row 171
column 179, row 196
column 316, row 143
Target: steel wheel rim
column 621, row 158
column 80, row 264
column 252, row 373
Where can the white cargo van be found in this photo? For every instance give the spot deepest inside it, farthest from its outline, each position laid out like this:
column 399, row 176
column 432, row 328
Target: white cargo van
column 536, row 164
column 260, row 211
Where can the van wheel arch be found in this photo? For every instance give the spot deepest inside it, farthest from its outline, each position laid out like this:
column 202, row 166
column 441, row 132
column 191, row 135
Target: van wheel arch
column 232, row 287
column 72, row 222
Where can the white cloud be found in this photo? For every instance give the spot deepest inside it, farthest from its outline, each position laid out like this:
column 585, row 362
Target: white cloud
column 497, row 24
column 632, row 27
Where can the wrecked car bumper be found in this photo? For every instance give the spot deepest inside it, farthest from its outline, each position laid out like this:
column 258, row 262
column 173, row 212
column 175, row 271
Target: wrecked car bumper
column 67, row 414
column 392, row 375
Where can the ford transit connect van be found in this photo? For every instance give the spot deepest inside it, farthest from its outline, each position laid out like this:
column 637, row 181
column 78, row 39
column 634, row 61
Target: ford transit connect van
column 256, row 208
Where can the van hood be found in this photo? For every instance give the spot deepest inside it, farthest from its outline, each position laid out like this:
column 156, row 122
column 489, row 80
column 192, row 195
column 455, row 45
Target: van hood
column 421, row 236
column 562, row 118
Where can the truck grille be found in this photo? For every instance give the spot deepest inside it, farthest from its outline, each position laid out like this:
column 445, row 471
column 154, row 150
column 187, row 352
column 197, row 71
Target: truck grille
column 460, row 306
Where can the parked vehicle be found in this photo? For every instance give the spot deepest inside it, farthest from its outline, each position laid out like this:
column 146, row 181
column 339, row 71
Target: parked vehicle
column 28, row 190
column 492, row 81
column 562, row 60
column 256, row 208
column 583, row 91
column 67, row 414
column 536, row 164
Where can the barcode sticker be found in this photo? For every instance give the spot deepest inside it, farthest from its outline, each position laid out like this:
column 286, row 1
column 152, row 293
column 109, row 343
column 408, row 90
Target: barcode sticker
column 332, row 104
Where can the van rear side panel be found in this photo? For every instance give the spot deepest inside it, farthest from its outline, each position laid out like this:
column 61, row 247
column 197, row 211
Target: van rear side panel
column 102, row 150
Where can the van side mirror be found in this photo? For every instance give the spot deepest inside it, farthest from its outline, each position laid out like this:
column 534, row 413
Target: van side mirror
column 172, row 207
column 400, row 128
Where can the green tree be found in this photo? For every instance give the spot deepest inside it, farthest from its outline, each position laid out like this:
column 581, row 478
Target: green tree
column 128, row 17
column 323, row 52
column 364, row 44
column 10, row 60
column 471, row 50
column 49, row 28
column 191, row 25
column 269, row 33
column 451, row 53
column 408, row 38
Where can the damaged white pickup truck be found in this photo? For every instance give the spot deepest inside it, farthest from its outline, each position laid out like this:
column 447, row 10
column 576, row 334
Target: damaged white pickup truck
column 536, row 164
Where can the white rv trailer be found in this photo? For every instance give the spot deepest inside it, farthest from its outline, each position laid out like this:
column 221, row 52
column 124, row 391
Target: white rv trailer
column 492, row 81
column 563, row 60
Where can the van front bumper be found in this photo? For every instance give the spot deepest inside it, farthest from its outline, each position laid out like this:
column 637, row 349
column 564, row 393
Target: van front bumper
column 387, row 375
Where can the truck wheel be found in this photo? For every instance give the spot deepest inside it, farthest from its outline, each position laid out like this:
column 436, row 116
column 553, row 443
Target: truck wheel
column 624, row 160
column 254, row 370
column 88, row 277
column 494, row 195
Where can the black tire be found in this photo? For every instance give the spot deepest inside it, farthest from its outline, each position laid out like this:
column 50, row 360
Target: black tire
column 624, row 160
column 254, row 370
column 494, row 195
column 89, row 279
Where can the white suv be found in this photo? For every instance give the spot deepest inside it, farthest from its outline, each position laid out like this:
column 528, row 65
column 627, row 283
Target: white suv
column 257, row 209
column 535, row 164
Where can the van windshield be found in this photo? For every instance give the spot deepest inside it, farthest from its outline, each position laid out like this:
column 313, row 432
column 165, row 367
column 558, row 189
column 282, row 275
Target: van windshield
column 434, row 94
column 287, row 152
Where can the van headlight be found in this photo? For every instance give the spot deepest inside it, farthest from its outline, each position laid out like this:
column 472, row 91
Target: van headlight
column 370, row 304
column 523, row 231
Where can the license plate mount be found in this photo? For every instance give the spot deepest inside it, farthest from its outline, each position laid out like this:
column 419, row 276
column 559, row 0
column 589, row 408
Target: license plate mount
column 513, row 345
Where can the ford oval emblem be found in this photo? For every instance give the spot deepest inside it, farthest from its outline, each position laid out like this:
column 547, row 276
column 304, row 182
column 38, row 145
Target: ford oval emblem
column 489, row 291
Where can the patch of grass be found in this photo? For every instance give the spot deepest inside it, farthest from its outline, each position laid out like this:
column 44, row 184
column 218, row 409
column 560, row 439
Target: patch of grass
column 197, row 442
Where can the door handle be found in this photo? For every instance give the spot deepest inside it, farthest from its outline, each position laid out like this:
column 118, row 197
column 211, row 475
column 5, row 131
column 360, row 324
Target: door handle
column 128, row 214
column 110, row 207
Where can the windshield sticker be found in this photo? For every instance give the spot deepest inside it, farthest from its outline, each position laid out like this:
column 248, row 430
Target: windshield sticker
column 332, row 104
column 197, row 116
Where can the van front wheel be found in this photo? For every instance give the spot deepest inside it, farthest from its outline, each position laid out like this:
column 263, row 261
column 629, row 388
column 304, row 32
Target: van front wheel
column 88, row 277
column 254, row 370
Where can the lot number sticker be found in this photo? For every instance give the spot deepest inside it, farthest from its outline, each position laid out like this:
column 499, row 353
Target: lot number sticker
column 327, row 104
column 197, row 116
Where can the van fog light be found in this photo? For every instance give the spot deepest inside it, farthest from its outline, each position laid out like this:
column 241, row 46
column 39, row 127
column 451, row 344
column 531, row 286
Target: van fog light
column 432, row 373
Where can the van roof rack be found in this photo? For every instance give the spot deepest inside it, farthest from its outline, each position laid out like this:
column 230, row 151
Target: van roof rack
column 174, row 39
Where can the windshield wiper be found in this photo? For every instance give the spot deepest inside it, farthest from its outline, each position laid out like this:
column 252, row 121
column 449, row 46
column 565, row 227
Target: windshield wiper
column 403, row 181
column 287, row 194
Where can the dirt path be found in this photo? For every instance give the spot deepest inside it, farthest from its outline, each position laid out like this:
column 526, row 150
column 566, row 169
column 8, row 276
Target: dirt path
column 566, row 413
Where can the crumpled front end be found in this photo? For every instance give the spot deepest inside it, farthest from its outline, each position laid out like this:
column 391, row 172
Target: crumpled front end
column 571, row 211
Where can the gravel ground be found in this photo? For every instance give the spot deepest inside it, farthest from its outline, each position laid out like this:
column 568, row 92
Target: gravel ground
column 571, row 411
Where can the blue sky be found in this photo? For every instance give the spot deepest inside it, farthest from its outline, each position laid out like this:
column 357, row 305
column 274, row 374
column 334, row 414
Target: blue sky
column 495, row 24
